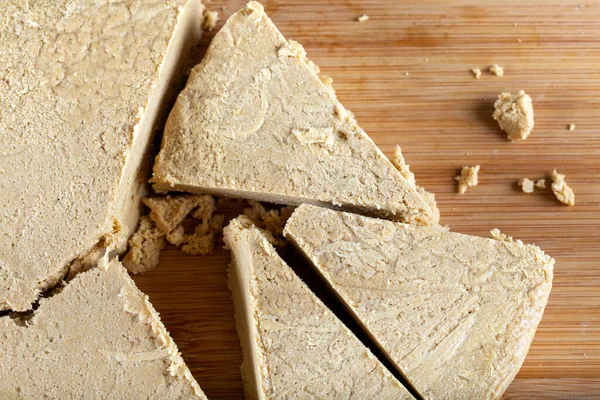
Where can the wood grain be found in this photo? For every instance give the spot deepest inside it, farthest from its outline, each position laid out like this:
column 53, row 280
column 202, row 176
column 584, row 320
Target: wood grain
column 406, row 75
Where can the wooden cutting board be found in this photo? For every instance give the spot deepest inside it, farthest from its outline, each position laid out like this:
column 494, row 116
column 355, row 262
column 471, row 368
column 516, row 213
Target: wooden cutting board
column 405, row 74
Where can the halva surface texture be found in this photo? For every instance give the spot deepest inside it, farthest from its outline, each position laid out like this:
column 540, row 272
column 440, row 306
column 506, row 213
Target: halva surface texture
column 294, row 346
column 99, row 338
column 455, row 313
column 81, row 89
column 256, row 122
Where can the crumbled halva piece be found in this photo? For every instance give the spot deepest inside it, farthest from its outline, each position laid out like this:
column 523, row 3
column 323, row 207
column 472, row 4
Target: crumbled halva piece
column 561, row 190
column 98, row 338
column 514, row 114
column 430, row 199
column 199, row 243
column 402, row 167
column 398, row 161
column 572, row 127
column 314, row 67
column 540, row 184
column 363, row 18
column 255, row 212
column 469, row 177
column 328, row 81
column 292, row 49
column 212, row 144
column 496, row 70
column 445, row 308
column 273, row 220
column 476, row 72
column 527, row 185
column 205, row 208
column 169, row 211
column 144, row 247
column 202, row 241
column 177, row 236
column 293, row 345
column 81, row 97
column 210, row 20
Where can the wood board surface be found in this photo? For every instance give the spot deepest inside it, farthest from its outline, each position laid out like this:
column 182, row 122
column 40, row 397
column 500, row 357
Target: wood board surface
column 405, row 74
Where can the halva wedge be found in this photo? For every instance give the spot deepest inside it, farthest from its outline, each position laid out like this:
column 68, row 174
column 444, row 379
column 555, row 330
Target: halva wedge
column 256, row 122
column 455, row 313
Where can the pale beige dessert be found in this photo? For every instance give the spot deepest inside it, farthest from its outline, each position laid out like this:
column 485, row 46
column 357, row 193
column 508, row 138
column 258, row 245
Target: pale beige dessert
column 454, row 313
column 177, row 236
column 206, row 208
column 210, row 20
column 398, row 161
column 145, row 246
column 82, row 89
column 328, row 82
column 561, row 190
column 514, row 114
column 476, row 72
column 168, row 212
column 363, row 18
column 527, row 185
column 256, row 122
column 572, row 127
column 273, row 220
column 496, row 70
column 202, row 241
column 469, row 177
column 430, row 199
column 98, row 338
column 294, row 347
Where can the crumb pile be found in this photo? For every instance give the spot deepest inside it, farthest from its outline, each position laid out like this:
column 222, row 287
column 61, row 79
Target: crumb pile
column 165, row 224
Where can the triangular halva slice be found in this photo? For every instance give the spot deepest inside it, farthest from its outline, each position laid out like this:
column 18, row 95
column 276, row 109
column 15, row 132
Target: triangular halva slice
column 256, row 122
column 455, row 313
column 294, row 347
column 98, row 338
